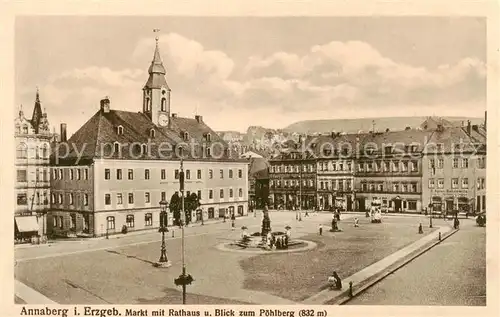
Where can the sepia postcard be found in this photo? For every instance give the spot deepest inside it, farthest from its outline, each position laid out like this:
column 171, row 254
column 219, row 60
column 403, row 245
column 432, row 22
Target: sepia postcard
column 266, row 159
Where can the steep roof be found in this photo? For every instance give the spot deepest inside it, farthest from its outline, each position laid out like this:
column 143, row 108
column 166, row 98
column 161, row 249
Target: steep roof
column 432, row 123
column 97, row 138
column 258, row 169
column 455, row 139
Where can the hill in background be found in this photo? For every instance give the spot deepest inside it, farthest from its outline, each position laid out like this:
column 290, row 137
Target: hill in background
column 366, row 124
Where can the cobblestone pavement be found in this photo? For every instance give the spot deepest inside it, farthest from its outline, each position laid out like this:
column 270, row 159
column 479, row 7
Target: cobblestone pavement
column 120, row 270
column 452, row 273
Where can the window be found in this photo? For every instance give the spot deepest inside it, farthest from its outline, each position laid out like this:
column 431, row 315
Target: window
column 431, row 183
column 144, row 149
column 130, row 174
column 163, row 104
column 119, row 199
column 404, row 188
column 61, row 222
column 454, row 183
column 163, row 196
column 61, row 175
column 198, row 194
column 221, row 173
column 163, row 174
column 22, row 151
column 54, row 221
column 221, row 194
column 107, row 173
column 414, row 187
column 198, row 174
column 455, row 163
column 148, row 220
column 230, row 173
column 414, row 166
column 85, row 199
column 396, row 187
column 107, row 199
column 210, row 174
column 240, row 192
column 130, row 198
column 72, row 223
column 465, row 163
column 22, row 199
column 152, row 133
column 118, row 174
column 119, row 130
column 465, row 183
column 481, row 162
column 432, row 163
column 208, row 151
column 111, row 222
column 230, row 193
column 440, row 163
column 117, row 148
column 71, row 198
column 395, row 166
column 71, row 173
column 188, row 174
column 78, row 174
column 380, row 187
column 210, row 194
column 130, row 221
column 404, row 166
column 61, row 199
column 147, row 198
column 440, row 183
column 146, row 174
column 52, row 198
column 176, row 174
column 387, row 166
column 21, row 176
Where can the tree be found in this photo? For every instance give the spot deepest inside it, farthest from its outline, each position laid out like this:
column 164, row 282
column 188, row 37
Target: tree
column 191, row 203
column 175, row 206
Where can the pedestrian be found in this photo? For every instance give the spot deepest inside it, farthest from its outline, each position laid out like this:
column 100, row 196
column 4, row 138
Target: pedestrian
column 320, row 229
column 335, row 281
column 420, row 229
column 356, row 222
column 456, row 223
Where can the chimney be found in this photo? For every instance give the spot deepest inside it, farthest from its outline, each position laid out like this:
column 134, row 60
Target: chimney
column 63, row 132
column 105, row 105
column 468, row 126
column 174, row 115
column 199, row 119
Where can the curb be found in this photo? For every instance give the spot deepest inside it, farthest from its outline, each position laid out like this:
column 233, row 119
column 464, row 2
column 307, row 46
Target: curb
column 344, row 297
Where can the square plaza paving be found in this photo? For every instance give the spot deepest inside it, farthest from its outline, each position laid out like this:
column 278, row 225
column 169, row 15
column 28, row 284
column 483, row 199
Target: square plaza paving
column 120, row 270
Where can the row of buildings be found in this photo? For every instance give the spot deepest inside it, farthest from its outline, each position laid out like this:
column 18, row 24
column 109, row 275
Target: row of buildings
column 438, row 166
column 117, row 167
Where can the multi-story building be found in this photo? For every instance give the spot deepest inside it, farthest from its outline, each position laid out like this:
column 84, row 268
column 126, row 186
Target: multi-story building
column 335, row 155
column 119, row 165
column 292, row 179
column 389, row 169
column 454, row 169
column 32, row 137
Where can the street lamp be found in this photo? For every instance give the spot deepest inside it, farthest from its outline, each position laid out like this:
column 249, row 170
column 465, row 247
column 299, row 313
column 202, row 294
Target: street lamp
column 163, row 261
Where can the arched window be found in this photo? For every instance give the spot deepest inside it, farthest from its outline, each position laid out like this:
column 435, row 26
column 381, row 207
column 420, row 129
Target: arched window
column 185, row 136
column 22, row 151
column 152, row 133
column 119, row 130
column 147, row 104
column 209, row 137
column 117, row 148
column 144, row 149
column 163, row 104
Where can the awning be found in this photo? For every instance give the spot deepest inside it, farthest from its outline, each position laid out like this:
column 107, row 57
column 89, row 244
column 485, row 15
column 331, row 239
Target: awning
column 27, row 224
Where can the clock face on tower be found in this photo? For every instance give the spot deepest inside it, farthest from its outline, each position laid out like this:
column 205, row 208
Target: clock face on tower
column 163, row 120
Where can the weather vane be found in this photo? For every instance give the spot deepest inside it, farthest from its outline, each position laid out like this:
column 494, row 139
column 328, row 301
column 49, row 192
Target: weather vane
column 156, row 31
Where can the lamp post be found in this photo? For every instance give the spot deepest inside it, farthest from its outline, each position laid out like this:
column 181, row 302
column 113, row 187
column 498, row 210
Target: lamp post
column 183, row 279
column 163, row 261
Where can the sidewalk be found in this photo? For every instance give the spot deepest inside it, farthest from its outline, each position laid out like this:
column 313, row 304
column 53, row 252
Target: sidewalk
column 31, row 296
column 371, row 271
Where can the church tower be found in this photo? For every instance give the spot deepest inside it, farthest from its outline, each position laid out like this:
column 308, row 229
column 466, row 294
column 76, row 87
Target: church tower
column 156, row 93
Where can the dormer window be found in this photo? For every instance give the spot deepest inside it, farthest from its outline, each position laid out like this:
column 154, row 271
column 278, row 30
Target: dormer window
column 119, row 130
column 25, row 129
column 152, row 133
column 185, row 136
column 144, row 148
column 208, row 137
column 117, row 148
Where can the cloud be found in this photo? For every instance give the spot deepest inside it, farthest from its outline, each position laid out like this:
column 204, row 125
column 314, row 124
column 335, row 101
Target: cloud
column 328, row 80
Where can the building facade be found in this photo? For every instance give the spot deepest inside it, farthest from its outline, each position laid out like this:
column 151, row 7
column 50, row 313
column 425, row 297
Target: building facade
column 258, row 183
column 454, row 170
column 292, row 179
column 32, row 189
column 117, row 167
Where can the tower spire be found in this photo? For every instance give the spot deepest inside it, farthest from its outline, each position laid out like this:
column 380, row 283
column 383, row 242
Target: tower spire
column 37, row 112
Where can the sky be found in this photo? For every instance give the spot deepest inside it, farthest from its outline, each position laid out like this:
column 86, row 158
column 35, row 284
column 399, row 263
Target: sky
column 243, row 71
